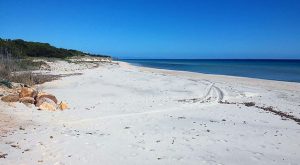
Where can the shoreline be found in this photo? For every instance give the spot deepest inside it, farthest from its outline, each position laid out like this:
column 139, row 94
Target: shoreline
column 285, row 85
column 289, row 70
column 124, row 114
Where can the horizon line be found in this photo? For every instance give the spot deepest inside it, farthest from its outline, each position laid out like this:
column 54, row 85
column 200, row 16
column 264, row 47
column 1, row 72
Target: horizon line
column 207, row 58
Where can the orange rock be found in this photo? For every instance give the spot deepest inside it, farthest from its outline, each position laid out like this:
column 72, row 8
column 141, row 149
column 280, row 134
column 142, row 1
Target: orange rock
column 25, row 100
column 63, row 105
column 42, row 100
column 47, row 106
column 41, row 95
column 10, row 98
column 27, row 92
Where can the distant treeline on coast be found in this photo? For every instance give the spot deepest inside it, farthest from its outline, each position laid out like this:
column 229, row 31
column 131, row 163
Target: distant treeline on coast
column 23, row 49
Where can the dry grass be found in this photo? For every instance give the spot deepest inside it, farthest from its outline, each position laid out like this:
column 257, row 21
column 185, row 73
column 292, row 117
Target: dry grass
column 20, row 71
column 30, row 78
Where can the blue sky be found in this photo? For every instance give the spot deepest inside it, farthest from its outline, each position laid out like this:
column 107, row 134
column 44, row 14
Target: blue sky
column 159, row 28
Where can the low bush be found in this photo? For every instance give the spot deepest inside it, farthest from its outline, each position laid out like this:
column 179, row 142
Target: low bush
column 20, row 71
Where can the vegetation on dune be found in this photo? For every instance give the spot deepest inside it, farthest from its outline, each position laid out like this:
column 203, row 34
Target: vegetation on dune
column 17, row 55
column 20, row 71
column 21, row 48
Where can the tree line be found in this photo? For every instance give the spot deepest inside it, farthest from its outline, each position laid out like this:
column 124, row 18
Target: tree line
column 22, row 49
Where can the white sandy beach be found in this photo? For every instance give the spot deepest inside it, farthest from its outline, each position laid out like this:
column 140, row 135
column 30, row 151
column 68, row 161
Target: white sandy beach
column 123, row 114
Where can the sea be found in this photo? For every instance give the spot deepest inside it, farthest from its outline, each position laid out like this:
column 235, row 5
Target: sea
column 281, row 70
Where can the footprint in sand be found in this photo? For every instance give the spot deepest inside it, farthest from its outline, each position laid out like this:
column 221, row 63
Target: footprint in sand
column 257, row 155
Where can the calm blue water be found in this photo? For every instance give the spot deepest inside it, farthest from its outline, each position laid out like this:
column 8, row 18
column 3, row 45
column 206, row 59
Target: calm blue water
column 282, row 70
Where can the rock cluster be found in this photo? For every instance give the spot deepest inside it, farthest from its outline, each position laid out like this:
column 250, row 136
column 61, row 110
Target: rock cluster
column 42, row 100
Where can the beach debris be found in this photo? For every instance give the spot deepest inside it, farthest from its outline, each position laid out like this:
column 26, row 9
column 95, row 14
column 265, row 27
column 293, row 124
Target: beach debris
column 3, row 155
column 249, row 104
column 63, row 105
column 26, row 150
column 15, row 146
column 10, row 98
column 283, row 115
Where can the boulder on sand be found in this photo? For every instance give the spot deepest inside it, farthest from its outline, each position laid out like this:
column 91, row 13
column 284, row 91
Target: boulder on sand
column 27, row 92
column 44, row 99
column 10, row 98
column 41, row 95
column 46, row 104
column 26, row 100
column 63, row 105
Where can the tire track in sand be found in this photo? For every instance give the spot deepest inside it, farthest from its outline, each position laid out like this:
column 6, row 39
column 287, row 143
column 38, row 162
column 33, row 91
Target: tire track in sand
column 213, row 94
